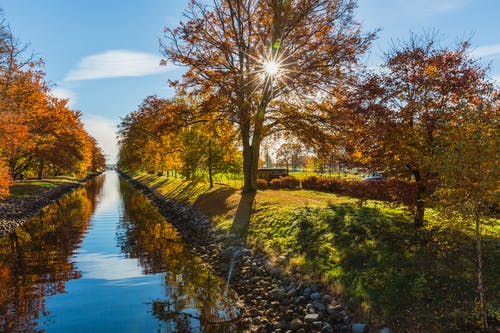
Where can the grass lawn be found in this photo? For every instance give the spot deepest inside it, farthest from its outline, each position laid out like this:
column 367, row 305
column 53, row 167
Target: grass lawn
column 415, row 280
column 29, row 187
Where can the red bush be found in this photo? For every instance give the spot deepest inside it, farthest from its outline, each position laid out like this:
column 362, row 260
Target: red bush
column 284, row 182
column 310, row 183
column 289, row 182
column 393, row 190
column 261, row 184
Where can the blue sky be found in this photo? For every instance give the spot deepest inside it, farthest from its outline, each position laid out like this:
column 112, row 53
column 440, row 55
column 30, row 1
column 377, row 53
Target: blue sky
column 103, row 55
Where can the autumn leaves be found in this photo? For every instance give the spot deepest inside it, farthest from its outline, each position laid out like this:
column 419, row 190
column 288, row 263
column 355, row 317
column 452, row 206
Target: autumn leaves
column 39, row 133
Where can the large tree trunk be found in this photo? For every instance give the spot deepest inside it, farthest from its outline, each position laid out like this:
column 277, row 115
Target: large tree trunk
column 250, row 167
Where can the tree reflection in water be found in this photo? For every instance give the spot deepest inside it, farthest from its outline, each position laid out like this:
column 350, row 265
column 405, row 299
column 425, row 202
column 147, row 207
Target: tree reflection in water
column 35, row 259
column 195, row 300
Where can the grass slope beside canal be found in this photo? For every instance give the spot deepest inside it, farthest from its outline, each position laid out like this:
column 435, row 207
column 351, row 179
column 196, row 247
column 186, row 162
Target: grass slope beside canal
column 29, row 187
column 371, row 254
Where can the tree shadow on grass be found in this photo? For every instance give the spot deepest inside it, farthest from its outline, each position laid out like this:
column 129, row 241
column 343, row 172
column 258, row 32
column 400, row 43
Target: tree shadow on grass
column 241, row 221
column 214, row 203
column 414, row 279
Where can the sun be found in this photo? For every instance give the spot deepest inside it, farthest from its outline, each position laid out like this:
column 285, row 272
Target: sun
column 271, row 68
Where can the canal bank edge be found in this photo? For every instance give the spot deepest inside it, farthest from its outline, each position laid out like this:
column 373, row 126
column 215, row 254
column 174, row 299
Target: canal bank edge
column 273, row 300
column 14, row 212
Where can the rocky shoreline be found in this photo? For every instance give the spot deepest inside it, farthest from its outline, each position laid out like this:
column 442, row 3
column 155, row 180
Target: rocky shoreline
column 14, row 212
column 273, row 301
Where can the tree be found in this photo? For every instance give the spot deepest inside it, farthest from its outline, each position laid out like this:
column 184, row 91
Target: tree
column 98, row 159
column 266, row 63
column 37, row 131
column 395, row 118
column 160, row 136
column 150, row 136
column 469, row 169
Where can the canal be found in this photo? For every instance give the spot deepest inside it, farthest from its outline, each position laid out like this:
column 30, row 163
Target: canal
column 103, row 259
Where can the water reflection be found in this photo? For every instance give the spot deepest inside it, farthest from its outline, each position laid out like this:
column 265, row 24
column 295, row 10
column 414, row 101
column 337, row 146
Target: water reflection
column 35, row 260
column 102, row 259
column 195, row 300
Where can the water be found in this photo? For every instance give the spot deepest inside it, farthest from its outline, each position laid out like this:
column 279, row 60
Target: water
column 102, row 259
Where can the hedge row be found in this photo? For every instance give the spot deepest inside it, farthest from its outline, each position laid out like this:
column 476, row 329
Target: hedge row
column 278, row 183
column 393, row 190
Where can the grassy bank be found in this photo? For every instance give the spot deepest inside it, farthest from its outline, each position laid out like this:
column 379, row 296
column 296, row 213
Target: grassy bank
column 385, row 269
column 30, row 187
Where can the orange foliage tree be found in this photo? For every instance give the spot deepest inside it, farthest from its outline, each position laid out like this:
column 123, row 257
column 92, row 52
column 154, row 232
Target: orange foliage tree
column 37, row 131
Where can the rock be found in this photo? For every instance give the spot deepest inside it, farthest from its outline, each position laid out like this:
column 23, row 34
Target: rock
column 296, row 324
column 327, row 328
column 283, row 325
column 291, row 292
column 336, row 317
column 315, row 296
column 359, row 328
column 317, row 324
column 331, row 309
column 299, row 300
column 319, row 306
column 277, row 294
column 315, row 288
column 326, row 299
column 282, row 259
column 312, row 317
column 307, row 292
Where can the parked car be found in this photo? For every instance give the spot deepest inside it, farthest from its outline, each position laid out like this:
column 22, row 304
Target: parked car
column 375, row 176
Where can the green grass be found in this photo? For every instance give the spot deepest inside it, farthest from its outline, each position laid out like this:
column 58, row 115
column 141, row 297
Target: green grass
column 370, row 254
column 30, row 187
column 386, row 268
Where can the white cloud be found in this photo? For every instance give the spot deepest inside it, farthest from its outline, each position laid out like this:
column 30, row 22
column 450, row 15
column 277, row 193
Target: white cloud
column 104, row 131
column 116, row 63
column 108, row 266
column 64, row 93
column 486, row 51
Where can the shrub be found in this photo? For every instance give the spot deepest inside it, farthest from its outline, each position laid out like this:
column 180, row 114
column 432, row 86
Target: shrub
column 284, row 182
column 289, row 182
column 310, row 183
column 393, row 190
column 261, row 184
column 275, row 184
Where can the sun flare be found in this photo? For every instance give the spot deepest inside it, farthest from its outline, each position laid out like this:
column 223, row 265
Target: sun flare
column 271, row 68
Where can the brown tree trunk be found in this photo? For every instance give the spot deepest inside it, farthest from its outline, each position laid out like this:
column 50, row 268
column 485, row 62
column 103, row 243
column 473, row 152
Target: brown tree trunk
column 250, row 167
column 210, row 171
column 419, row 198
column 40, row 170
column 480, row 287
